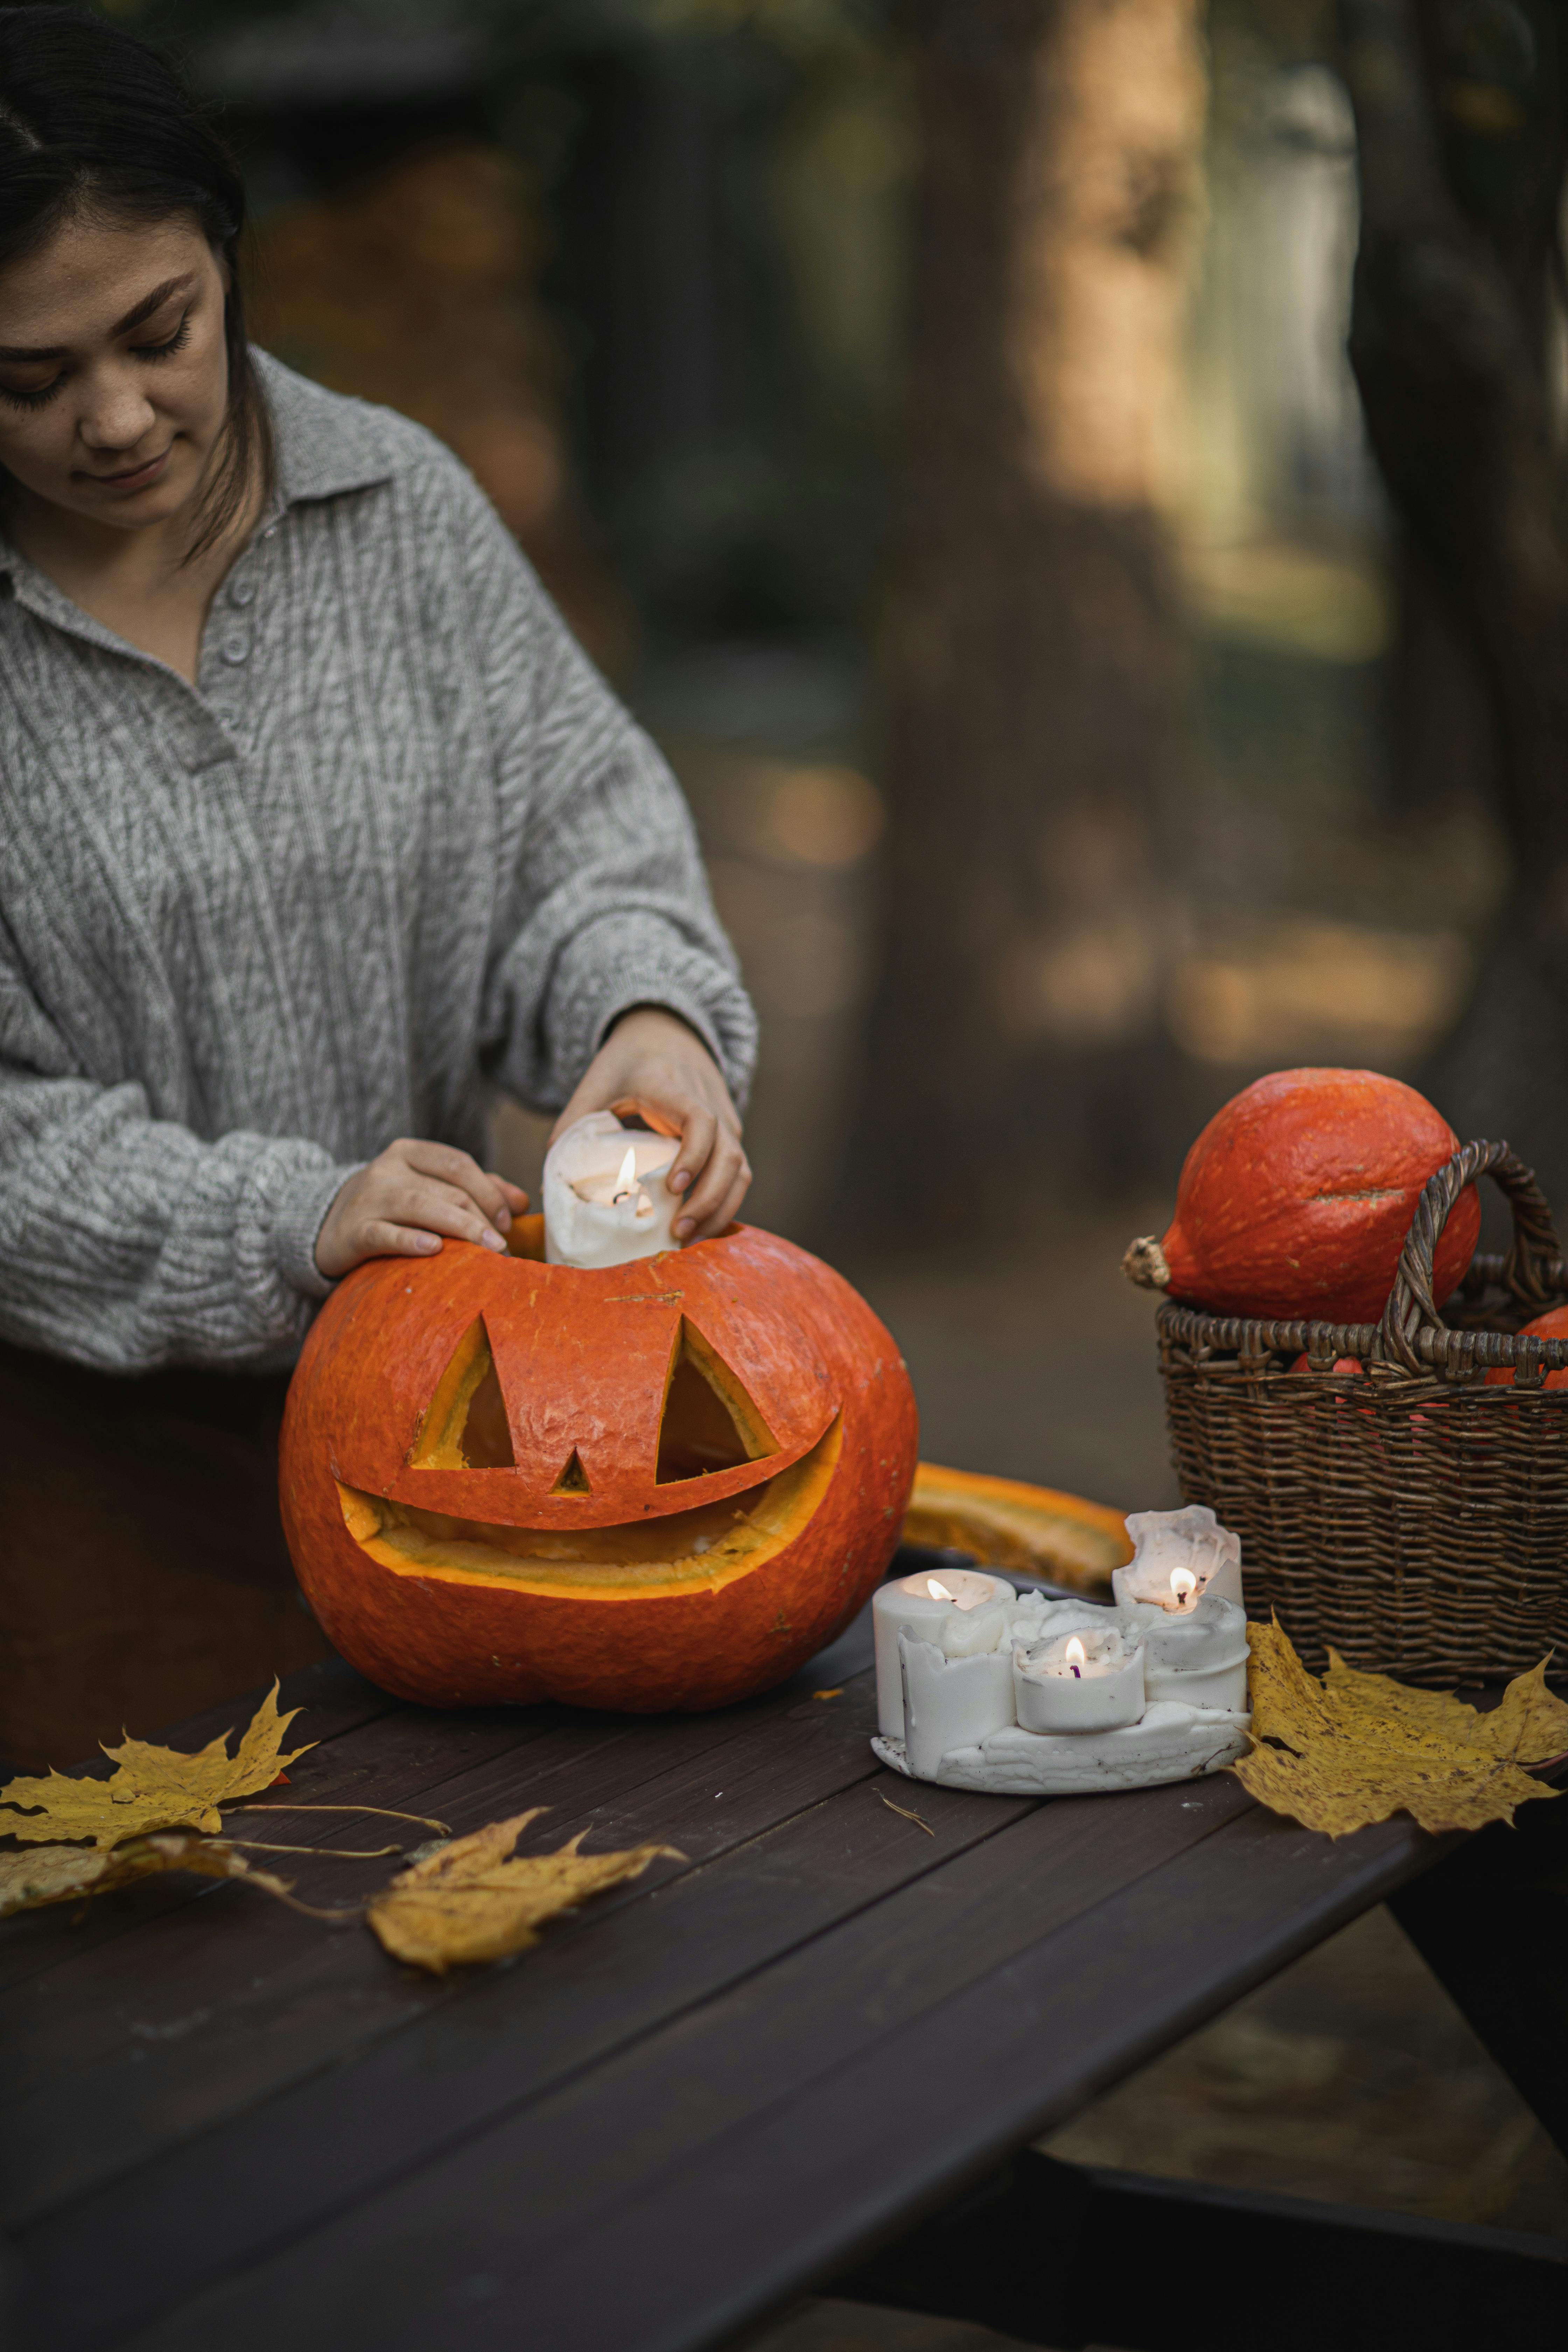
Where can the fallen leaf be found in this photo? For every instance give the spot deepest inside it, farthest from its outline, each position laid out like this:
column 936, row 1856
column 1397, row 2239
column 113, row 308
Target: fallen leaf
column 1530, row 1724
column 64, row 1873
column 153, row 1787
column 907, row 1814
column 1358, row 1748
column 470, row 1902
column 1286, row 1702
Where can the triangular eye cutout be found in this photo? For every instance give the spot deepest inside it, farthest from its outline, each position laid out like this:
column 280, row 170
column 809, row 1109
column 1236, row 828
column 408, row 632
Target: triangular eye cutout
column 574, row 1479
column 465, row 1425
column 709, row 1422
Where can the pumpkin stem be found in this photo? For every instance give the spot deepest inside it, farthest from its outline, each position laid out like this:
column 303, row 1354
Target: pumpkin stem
column 1145, row 1263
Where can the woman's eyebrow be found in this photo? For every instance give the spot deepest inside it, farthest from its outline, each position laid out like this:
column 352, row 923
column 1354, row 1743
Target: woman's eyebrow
column 133, row 317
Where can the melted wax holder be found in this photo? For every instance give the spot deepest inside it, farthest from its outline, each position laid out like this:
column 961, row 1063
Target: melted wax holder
column 1023, row 1695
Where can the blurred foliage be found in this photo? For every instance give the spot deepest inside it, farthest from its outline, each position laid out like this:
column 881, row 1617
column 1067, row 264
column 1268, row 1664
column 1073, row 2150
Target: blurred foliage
column 715, row 207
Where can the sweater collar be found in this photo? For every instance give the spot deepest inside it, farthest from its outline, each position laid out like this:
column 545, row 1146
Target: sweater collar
column 322, row 444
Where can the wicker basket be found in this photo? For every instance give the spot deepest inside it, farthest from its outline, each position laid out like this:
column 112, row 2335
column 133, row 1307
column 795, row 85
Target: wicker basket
column 1413, row 1517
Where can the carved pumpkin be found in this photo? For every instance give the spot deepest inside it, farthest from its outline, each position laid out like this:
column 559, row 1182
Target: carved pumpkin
column 1296, row 1199
column 660, row 1484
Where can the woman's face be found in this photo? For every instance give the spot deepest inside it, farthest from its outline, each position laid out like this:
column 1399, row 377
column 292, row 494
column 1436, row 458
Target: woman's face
column 113, row 371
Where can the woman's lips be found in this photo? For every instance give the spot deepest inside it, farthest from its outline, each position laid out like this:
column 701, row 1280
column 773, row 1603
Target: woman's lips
column 138, row 479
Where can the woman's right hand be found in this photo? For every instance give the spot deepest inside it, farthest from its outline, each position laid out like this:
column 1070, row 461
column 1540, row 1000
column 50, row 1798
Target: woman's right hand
column 400, row 1204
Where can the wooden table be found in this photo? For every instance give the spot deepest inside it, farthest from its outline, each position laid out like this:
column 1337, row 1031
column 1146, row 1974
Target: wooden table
column 812, row 2055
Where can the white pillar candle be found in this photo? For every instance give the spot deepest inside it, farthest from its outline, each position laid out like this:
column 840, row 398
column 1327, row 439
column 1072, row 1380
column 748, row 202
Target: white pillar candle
column 1197, row 1655
column 950, row 1702
column 923, row 1603
column 1091, row 1681
column 605, row 1199
column 1178, row 1557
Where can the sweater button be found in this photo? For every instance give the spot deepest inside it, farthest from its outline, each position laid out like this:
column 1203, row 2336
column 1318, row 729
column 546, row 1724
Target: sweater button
column 235, row 649
column 242, row 591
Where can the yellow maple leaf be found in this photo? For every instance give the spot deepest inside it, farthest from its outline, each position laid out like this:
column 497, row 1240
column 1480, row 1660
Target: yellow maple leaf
column 1363, row 1747
column 1529, row 1724
column 469, row 1902
column 153, row 1788
column 64, row 1873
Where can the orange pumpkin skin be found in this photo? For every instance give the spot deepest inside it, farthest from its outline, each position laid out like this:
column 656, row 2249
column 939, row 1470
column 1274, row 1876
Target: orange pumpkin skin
column 583, row 1359
column 1551, row 1326
column 1296, row 1199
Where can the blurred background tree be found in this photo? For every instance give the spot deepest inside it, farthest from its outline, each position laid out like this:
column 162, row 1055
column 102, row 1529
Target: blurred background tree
column 1034, row 678
column 1457, row 338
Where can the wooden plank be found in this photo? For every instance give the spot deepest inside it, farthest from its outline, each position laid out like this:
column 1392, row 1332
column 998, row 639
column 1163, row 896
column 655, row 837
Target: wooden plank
column 339, row 1701
column 597, row 1987
column 410, row 1756
column 76, row 2012
column 751, row 2147
column 204, row 2023
column 1490, row 1923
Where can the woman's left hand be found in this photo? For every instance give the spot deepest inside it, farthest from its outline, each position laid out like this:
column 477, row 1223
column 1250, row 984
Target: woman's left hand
column 652, row 1064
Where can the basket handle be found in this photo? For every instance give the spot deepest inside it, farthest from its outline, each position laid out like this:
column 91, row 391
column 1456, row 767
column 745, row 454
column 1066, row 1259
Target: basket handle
column 1527, row 1269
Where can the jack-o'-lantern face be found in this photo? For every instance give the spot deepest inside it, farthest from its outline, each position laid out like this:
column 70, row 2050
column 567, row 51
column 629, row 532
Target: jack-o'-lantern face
column 489, row 1461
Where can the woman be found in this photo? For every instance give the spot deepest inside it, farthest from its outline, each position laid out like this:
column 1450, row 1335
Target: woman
column 317, row 826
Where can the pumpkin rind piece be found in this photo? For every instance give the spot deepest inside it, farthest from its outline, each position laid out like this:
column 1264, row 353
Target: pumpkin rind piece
column 1016, row 1527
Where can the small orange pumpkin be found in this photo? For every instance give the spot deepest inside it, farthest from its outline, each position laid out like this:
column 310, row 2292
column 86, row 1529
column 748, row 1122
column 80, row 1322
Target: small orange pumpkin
column 1551, row 1325
column 1296, row 1199
column 660, row 1484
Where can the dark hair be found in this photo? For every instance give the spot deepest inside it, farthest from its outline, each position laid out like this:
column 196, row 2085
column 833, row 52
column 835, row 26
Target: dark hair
column 90, row 116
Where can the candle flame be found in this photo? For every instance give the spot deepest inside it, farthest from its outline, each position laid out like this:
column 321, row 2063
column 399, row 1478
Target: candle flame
column 1183, row 1583
column 1077, row 1654
column 628, row 1175
column 939, row 1591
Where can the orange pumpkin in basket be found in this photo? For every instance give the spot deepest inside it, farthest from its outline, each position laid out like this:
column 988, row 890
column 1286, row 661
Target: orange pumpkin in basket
column 1295, row 1200
column 1551, row 1326
column 661, row 1485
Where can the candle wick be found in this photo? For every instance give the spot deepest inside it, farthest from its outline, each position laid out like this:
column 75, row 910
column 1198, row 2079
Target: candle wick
column 1076, row 1675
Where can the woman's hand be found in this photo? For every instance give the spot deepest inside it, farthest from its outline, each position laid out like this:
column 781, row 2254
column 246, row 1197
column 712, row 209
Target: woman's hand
column 654, row 1065
column 400, row 1204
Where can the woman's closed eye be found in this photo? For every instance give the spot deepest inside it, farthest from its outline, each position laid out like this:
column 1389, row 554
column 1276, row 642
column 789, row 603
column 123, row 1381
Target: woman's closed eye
column 166, row 350
column 34, row 395
column 30, row 395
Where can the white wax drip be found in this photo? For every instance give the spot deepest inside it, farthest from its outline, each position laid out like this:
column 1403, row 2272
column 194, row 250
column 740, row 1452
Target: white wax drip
column 1189, row 1546
column 608, row 1230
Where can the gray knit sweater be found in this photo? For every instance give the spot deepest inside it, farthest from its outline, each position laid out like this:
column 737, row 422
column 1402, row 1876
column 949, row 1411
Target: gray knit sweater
column 399, row 846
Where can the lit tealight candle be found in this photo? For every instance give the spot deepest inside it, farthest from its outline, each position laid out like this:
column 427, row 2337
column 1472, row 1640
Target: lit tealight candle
column 924, row 1603
column 606, row 1201
column 1196, row 1655
column 1088, row 1681
column 1178, row 1558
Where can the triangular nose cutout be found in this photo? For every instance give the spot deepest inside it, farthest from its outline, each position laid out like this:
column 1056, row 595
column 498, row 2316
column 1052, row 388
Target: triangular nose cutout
column 574, row 1479
column 465, row 1425
column 709, row 1422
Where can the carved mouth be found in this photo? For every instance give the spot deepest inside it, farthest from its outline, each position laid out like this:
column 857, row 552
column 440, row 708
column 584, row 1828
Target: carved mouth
column 709, row 1545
